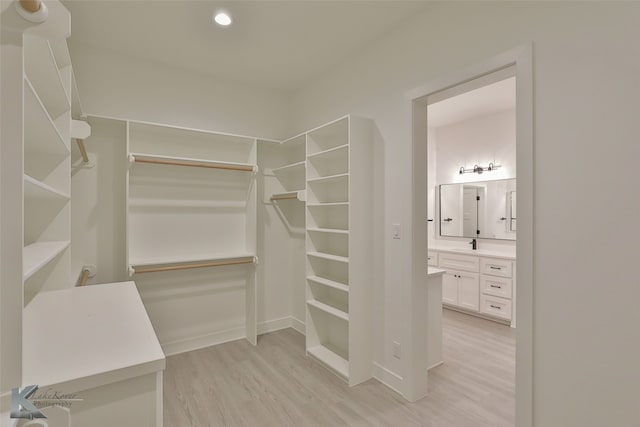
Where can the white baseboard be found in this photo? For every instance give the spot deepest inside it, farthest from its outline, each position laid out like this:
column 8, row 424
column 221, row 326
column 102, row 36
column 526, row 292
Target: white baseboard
column 298, row 325
column 184, row 345
column 274, row 325
column 387, row 377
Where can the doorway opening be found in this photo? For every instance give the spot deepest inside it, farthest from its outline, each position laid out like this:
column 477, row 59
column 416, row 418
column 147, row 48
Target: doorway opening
column 491, row 221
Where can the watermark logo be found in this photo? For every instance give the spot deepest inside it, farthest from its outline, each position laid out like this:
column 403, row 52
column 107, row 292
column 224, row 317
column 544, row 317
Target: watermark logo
column 25, row 403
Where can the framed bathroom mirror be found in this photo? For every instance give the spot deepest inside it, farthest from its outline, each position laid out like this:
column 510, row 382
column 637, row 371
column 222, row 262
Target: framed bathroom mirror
column 482, row 209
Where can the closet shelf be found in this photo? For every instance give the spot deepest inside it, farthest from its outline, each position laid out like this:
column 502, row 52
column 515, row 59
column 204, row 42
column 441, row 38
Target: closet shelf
column 298, row 167
column 326, row 282
column 188, row 264
column 186, row 161
column 34, row 189
column 43, row 73
column 300, row 195
column 329, row 256
column 328, row 230
column 342, row 176
column 320, row 205
column 42, row 139
column 36, row 255
column 329, row 309
column 331, row 359
column 335, row 150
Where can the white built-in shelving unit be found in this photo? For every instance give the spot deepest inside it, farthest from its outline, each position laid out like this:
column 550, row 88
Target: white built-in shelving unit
column 47, row 166
column 339, row 256
column 191, row 204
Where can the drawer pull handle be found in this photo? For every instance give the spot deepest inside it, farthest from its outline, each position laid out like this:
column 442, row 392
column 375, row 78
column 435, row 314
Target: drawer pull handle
column 495, row 306
column 495, row 268
column 496, row 286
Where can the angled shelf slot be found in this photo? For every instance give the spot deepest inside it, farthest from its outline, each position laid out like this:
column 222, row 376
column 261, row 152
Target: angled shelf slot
column 340, row 177
column 44, row 74
column 37, row 255
column 334, row 152
column 328, row 230
column 42, row 139
column 297, row 167
column 34, row 189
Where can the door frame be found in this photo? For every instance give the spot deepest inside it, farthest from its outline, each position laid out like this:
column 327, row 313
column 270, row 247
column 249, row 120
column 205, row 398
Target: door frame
column 415, row 364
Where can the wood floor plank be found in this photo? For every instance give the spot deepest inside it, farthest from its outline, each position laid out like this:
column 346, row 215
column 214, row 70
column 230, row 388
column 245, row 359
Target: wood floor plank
column 276, row 384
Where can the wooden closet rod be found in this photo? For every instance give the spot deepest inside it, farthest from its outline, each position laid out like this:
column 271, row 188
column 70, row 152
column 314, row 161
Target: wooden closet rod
column 247, row 260
column 284, row 196
column 83, row 277
column 196, row 164
column 83, row 150
column 31, row 5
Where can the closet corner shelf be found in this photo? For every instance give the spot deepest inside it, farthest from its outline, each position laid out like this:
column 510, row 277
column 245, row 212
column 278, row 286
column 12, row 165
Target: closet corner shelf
column 188, row 264
column 38, row 190
column 42, row 131
column 300, row 195
column 329, row 309
column 328, row 151
column 297, row 166
column 36, row 255
column 331, row 359
column 186, row 161
column 320, row 205
column 329, row 256
column 328, row 178
column 328, row 230
column 326, row 282
column 43, row 74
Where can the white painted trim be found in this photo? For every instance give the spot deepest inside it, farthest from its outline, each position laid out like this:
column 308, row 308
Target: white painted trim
column 387, row 377
column 274, row 325
column 299, row 325
column 171, row 348
column 522, row 58
column 184, row 345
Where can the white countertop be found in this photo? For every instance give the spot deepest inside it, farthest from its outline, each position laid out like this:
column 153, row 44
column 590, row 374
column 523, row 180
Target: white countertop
column 434, row 271
column 506, row 253
column 85, row 337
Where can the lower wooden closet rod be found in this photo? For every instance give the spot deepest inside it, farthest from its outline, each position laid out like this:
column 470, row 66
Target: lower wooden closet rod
column 249, row 260
column 196, row 164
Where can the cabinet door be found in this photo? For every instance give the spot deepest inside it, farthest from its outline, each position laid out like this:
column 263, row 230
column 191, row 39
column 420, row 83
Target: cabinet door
column 450, row 288
column 468, row 291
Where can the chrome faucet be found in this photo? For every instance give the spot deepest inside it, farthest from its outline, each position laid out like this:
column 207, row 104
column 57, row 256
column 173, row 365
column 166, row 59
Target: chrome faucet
column 474, row 244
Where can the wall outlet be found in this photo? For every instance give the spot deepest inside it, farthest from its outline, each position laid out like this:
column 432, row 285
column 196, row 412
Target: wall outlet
column 395, row 231
column 396, row 350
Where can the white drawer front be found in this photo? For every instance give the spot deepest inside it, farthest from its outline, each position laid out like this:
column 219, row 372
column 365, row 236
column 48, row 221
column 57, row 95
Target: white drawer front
column 496, row 267
column 458, row 262
column 496, row 286
column 495, row 306
column 432, row 258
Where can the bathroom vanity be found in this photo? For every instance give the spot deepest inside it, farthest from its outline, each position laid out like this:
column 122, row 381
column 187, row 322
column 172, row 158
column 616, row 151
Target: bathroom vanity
column 479, row 282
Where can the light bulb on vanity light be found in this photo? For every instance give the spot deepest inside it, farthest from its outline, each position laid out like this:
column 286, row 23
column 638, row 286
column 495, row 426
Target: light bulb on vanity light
column 222, row 18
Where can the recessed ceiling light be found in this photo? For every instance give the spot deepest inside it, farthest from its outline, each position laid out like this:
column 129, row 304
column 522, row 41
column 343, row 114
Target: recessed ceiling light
column 222, row 18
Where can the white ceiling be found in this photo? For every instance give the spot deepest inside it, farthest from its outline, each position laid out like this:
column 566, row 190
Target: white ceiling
column 274, row 44
column 493, row 98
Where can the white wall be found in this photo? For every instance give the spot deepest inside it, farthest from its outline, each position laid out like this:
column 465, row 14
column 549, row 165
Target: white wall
column 115, row 86
column 477, row 141
column 586, row 64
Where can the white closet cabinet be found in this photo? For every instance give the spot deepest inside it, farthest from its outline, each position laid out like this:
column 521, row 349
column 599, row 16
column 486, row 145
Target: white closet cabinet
column 338, row 241
column 47, row 166
column 191, row 213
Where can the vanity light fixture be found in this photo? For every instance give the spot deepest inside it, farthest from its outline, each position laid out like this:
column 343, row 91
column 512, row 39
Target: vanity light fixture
column 479, row 169
column 222, row 18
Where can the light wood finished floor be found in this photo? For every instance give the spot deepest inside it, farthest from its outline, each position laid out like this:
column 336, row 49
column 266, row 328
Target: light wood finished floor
column 275, row 384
